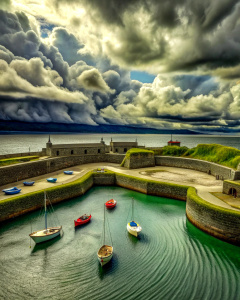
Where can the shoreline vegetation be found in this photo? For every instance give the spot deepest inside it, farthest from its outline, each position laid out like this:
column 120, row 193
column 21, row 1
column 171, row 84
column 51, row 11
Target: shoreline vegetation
column 222, row 155
column 16, row 160
column 219, row 154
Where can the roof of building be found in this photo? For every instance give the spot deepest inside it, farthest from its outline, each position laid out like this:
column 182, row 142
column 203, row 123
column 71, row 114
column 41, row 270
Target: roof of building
column 124, row 143
column 174, row 142
column 78, row 145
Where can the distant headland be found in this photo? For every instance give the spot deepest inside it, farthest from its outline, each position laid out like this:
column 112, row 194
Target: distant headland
column 22, row 127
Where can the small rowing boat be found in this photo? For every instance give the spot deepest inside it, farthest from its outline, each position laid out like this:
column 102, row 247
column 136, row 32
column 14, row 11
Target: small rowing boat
column 105, row 252
column 82, row 220
column 51, row 179
column 28, row 183
column 68, row 172
column 110, row 203
column 12, row 191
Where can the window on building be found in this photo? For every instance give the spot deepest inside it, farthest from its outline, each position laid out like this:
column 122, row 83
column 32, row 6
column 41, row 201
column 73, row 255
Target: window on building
column 71, row 152
column 85, row 151
column 116, row 149
column 57, row 153
column 125, row 149
column 98, row 150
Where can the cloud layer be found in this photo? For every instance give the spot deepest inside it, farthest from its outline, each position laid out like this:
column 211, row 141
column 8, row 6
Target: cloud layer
column 70, row 61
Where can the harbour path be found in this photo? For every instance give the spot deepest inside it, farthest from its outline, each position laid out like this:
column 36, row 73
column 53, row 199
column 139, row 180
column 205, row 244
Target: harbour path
column 204, row 183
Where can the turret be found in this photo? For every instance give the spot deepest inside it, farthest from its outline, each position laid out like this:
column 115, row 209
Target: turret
column 49, row 147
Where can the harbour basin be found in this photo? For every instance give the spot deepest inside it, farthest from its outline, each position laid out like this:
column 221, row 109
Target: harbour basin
column 171, row 259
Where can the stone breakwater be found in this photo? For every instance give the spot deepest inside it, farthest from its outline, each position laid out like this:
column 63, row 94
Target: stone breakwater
column 22, row 204
column 215, row 220
column 14, row 173
column 219, row 171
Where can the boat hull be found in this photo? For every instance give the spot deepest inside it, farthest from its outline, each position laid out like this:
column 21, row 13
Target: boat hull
column 28, row 183
column 110, row 204
column 105, row 254
column 68, row 172
column 41, row 236
column 12, row 191
column 52, row 180
column 134, row 230
column 80, row 222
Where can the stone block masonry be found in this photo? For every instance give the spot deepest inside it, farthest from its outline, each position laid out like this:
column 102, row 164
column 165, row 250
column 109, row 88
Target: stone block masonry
column 22, row 204
column 220, row 172
column 17, row 172
column 217, row 221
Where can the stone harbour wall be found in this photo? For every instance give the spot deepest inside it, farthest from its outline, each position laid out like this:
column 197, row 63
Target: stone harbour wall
column 217, row 221
column 220, row 172
column 22, row 204
column 139, row 160
column 17, row 172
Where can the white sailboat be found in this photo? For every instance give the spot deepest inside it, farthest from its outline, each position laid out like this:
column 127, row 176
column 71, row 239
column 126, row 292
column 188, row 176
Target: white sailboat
column 47, row 233
column 133, row 227
column 105, row 252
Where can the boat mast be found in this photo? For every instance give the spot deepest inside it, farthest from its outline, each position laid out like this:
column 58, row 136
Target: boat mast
column 132, row 210
column 45, row 206
column 104, row 226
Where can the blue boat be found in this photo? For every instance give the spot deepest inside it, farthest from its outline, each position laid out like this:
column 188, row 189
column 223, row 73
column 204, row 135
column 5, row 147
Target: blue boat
column 68, row 172
column 52, row 179
column 12, row 191
column 28, row 183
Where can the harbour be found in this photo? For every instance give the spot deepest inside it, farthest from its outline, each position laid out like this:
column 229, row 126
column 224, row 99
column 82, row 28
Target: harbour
column 171, row 259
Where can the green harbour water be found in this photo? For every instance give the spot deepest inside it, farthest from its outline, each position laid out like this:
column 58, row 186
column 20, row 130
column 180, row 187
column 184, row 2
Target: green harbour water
column 171, row 259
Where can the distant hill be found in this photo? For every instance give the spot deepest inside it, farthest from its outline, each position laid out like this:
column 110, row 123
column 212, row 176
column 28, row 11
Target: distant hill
column 23, row 127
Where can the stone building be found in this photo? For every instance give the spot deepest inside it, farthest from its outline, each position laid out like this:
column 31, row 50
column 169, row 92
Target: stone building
column 75, row 149
column 122, row 147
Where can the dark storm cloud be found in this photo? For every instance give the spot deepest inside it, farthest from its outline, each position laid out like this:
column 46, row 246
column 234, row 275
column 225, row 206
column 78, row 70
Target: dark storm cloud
column 33, row 109
column 69, row 46
column 81, row 74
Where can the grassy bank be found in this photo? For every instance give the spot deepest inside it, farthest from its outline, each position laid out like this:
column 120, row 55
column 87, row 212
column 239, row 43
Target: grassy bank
column 17, row 160
column 223, row 155
column 134, row 152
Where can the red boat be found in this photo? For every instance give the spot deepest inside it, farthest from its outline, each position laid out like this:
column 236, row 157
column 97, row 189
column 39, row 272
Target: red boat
column 111, row 203
column 82, row 220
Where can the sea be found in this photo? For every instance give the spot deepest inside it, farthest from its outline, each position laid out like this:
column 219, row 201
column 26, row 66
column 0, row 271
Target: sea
column 21, row 143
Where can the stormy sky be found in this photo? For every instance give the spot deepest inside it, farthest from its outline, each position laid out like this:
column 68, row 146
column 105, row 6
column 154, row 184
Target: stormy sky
column 72, row 61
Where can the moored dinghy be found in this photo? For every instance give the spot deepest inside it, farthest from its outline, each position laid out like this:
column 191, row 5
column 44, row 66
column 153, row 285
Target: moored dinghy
column 133, row 227
column 105, row 253
column 110, row 203
column 47, row 233
column 82, row 220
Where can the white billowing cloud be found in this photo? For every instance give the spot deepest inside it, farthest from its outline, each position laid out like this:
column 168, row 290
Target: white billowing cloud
column 34, row 72
column 93, row 80
column 80, row 73
column 165, row 102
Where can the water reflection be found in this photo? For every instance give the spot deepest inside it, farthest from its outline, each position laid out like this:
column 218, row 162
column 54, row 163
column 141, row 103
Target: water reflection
column 108, row 269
